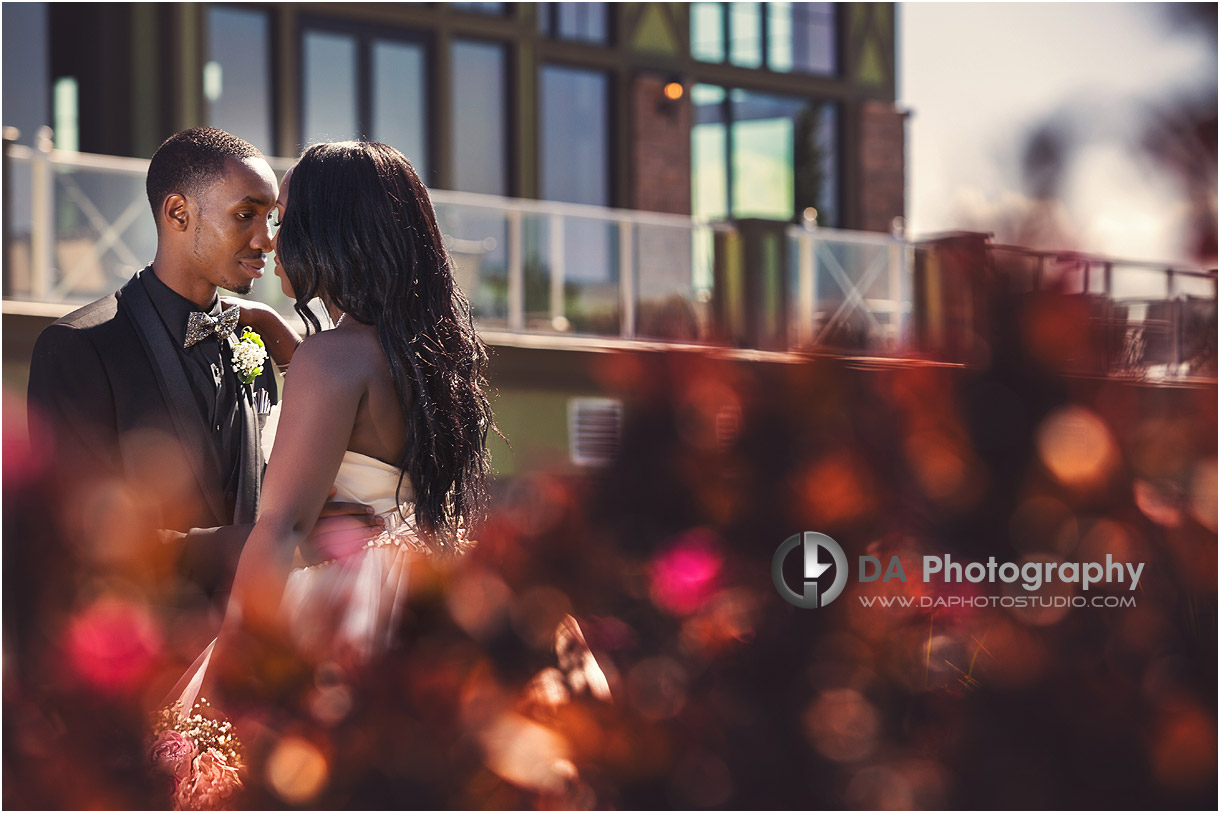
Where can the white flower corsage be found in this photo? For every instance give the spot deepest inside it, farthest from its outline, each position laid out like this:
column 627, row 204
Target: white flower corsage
column 249, row 353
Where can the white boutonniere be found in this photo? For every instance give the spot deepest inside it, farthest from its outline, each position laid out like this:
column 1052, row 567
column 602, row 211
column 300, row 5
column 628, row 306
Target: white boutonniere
column 249, row 353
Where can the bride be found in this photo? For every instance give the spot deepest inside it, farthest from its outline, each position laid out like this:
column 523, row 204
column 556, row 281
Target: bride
column 388, row 409
column 389, row 406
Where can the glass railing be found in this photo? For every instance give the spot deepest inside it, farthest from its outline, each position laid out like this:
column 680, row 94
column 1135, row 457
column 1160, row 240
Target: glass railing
column 850, row 290
column 553, row 268
column 1152, row 321
column 77, row 226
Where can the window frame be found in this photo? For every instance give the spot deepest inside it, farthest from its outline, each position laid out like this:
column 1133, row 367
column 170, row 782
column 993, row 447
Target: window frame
column 728, row 120
column 505, row 10
column 508, row 93
column 365, row 35
column 726, row 32
column 611, row 131
column 548, row 24
column 272, row 53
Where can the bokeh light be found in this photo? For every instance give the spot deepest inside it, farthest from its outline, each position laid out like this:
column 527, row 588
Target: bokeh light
column 1203, row 494
column 479, row 602
column 296, row 770
column 527, row 754
column 1160, row 502
column 1184, row 749
column 684, row 575
column 112, row 644
column 842, row 725
column 1077, row 447
column 657, row 687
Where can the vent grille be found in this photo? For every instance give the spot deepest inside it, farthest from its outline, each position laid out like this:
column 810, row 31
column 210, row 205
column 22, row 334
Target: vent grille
column 594, row 427
column 728, row 425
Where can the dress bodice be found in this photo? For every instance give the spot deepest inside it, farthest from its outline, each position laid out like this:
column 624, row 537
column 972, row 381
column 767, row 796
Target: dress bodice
column 367, row 480
column 360, row 479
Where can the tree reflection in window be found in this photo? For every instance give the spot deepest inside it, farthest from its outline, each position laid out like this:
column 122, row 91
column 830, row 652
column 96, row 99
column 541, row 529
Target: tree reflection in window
column 763, row 155
column 781, row 37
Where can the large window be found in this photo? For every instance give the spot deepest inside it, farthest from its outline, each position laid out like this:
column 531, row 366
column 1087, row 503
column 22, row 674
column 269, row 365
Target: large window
column 570, row 258
column 709, row 153
column 746, row 34
column 586, row 22
column 478, row 237
column 237, row 74
column 399, row 114
column 481, row 8
column 763, row 155
column 781, row 37
column 331, row 104
column 480, row 143
column 574, row 149
column 707, row 32
column 356, row 84
column 801, row 37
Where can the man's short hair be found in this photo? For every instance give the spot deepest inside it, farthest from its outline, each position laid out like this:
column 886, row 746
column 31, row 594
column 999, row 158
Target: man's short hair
column 190, row 162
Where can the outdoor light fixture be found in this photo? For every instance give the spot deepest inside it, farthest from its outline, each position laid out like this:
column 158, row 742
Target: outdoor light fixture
column 671, row 94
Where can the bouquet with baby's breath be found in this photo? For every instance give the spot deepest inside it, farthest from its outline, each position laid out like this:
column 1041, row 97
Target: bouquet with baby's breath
column 200, row 753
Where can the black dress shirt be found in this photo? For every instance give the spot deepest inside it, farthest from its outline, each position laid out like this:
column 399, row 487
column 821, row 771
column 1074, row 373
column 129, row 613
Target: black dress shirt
column 209, row 369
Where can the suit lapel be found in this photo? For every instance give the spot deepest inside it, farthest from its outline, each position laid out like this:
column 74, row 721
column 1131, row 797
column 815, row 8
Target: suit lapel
column 250, row 475
column 176, row 390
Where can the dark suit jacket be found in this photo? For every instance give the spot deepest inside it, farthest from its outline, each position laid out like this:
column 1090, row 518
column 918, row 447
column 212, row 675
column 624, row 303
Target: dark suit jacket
column 108, row 381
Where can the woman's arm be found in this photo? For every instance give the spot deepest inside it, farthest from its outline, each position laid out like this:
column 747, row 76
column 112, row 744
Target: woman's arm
column 321, row 398
column 278, row 336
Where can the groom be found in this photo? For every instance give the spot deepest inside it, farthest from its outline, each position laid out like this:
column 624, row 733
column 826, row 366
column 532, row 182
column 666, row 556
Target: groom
column 140, row 385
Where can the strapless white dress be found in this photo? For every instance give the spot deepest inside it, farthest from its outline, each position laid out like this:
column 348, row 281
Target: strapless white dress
column 345, row 611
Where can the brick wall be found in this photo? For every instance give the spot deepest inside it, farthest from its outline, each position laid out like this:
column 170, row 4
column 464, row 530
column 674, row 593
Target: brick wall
column 882, row 165
column 660, row 148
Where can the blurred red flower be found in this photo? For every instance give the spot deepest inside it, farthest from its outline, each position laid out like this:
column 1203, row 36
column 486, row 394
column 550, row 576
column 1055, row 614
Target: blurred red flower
column 112, row 645
column 684, row 575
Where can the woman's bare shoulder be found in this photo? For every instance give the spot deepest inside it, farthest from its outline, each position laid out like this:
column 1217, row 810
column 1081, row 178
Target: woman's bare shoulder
column 338, row 355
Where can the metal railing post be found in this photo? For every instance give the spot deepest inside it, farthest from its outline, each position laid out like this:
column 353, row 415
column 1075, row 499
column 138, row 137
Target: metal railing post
column 807, row 294
column 516, row 271
column 813, row 287
column 626, row 278
column 42, row 221
column 6, row 205
column 908, row 295
column 897, row 303
column 1107, row 276
column 1175, row 319
column 557, row 269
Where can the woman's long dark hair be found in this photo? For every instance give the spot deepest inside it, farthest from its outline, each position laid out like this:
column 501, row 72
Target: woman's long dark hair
column 361, row 233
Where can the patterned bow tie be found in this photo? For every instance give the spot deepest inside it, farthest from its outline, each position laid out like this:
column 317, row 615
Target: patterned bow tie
column 201, row 325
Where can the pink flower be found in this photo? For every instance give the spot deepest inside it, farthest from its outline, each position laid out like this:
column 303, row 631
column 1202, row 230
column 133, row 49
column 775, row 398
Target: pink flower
column 113, row 644
column 212, row 781
column 172, row 753
column 685, row 574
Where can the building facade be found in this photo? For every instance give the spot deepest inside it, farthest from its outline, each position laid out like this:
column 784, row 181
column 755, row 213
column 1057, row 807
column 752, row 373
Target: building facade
column 717, row 110
column 717, row 179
